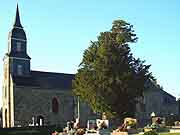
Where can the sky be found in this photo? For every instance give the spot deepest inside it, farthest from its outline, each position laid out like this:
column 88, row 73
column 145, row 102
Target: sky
column 58, row 32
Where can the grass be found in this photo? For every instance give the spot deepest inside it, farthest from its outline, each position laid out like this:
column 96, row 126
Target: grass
column 29, row 130
column 169, row 134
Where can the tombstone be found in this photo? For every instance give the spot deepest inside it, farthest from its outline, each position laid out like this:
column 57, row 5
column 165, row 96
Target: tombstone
column 33, row 122
column 102, row 124
column 91, row 124
column 68, row 126
column 41, row 122
column 104, row 117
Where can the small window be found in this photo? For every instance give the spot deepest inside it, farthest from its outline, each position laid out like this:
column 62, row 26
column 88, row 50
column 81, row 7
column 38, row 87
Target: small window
column 19, row 70
column 5, row 91
column 55, row 105
column 18, row 46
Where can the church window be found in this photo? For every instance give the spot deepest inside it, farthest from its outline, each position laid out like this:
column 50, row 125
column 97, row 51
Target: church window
column 55, row 105
column 19, row 69
column 18, row 46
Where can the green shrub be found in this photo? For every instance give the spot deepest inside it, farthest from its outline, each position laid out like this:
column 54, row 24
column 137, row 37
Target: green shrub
column 151, row 133
column 163, row 129
column 140, row 129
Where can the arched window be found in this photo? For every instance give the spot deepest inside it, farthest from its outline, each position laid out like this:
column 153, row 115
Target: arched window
column 55, row 105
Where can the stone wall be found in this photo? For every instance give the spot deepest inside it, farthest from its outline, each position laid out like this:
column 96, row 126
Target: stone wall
column 157, row 101
column 161, row 103
column 33, row 102
column 7, row 97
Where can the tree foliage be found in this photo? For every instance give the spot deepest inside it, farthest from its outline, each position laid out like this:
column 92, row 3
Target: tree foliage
column 109, row 78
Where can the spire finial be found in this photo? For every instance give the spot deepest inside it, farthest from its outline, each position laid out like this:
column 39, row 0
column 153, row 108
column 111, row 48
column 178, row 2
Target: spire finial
column 17, row 22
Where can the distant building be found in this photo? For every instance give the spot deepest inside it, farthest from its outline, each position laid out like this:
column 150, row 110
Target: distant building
column 158, row 101
column 45, row 98
column 179, row 105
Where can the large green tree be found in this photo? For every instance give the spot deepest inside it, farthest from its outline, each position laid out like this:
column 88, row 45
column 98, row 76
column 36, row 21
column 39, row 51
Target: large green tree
column 109, row 78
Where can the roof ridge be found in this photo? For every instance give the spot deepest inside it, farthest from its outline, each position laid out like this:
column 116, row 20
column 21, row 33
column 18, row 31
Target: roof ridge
column 51, row 72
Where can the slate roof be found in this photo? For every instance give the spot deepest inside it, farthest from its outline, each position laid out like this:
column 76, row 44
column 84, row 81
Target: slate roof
column 17, row 22
column 17, row 33
column 166, row 93
column 153, row 86
column 18, row 55
column 46, row 80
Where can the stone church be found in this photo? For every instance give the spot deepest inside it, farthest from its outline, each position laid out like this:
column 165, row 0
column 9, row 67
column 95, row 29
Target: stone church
column 45, row 98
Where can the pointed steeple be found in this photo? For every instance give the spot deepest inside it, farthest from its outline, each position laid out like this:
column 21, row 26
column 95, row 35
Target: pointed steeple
column 17, row 22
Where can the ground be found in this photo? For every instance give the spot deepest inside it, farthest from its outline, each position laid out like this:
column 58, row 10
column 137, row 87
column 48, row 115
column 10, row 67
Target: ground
column 170, row 134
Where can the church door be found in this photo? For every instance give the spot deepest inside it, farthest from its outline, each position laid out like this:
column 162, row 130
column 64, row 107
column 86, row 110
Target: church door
column 6, row 117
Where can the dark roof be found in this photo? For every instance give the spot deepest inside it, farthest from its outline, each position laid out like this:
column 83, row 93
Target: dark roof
column 17, row 33
column 46, row 80
column 154, row 87
column 17, row 22
column 18, row 55
column 166, row 93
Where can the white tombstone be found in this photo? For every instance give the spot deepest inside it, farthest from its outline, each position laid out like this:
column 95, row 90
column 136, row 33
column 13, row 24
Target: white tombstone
column 153, row 114
column 40, row 122
column 33, row 123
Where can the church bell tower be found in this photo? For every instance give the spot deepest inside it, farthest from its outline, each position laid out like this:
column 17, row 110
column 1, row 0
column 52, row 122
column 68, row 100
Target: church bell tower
column 16, row 64
column 17, row 49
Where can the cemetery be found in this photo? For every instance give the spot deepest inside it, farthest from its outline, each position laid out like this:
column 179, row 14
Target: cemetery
column 157, row 126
